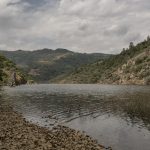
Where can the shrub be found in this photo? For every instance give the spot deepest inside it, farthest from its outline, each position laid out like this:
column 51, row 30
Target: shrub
column 145, row 74
column 148, row 59
column 140, row 60
column 147, row 80
column 138, row 68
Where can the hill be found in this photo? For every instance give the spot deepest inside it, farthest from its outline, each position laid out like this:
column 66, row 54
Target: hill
column 7, row 68
column 131, row 66
column 46, row 64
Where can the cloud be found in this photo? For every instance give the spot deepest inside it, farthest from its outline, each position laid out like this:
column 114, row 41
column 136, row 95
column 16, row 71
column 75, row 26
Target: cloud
column 80, row 25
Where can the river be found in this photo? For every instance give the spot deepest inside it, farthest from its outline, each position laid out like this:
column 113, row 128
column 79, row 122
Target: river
column 115, row 115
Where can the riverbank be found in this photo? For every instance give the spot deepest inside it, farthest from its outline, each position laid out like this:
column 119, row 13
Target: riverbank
column 18, row 134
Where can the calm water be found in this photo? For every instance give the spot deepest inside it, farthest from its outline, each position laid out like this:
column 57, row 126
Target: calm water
column 117, row 116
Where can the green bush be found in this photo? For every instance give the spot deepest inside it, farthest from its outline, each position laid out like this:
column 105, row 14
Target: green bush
column 115, row 77
column 148, row 59
column 138, row 68
column 145, row 74
column 140, row 60
column 147, row 80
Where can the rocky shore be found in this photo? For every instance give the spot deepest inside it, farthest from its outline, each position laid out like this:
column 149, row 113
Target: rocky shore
column 18, row 134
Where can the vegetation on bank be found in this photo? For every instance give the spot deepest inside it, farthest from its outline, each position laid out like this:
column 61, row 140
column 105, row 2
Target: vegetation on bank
column 131, row 66
column 7, row 68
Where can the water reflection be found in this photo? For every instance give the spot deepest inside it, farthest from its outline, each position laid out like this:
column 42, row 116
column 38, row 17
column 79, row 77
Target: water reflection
column 118, row 116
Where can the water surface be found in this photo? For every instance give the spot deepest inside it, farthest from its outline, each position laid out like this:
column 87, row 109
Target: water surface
column 117, row 116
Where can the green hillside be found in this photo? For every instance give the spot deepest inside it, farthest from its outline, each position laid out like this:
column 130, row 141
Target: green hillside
column 46, row 64
column 131, row 66
column 7, row 67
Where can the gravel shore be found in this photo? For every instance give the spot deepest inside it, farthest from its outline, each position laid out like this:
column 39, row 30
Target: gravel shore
column 18, row 134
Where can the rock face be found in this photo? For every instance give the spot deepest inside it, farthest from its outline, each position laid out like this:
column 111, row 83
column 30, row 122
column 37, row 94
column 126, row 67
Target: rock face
column 17, row 134
column 135, row 71
column 17, row 79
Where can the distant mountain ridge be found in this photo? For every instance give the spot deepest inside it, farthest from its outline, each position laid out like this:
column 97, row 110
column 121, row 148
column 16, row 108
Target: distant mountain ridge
column 131, row 66
column 46, row 64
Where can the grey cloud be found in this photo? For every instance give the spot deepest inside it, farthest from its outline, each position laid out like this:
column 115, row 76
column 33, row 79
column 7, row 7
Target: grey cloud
column 80, row 25
column 32, row 3
column 117, row 31
column 131, row 37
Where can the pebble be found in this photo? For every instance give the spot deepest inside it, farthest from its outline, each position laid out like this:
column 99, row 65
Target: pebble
column 18, row 134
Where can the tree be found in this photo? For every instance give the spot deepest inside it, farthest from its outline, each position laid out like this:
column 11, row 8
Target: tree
column 1, row 67
column 148, row 38
column 131, row 45
column 0, row 71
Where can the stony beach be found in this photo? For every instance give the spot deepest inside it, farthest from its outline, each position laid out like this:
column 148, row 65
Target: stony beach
column 18, row 134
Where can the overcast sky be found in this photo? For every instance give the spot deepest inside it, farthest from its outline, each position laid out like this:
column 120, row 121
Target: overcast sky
column 79, row 25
